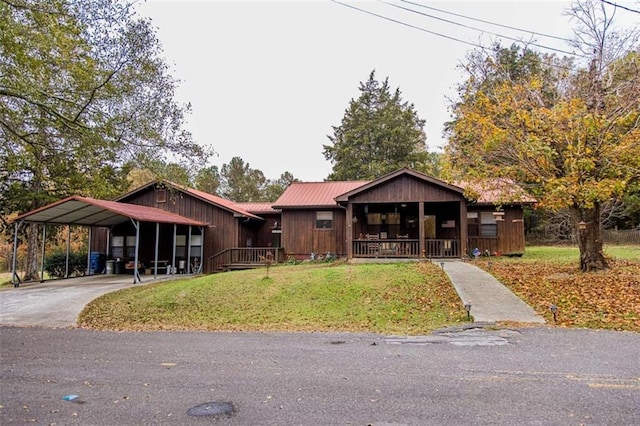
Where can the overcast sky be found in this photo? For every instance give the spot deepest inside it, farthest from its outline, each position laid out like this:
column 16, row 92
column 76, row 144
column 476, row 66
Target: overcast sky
column 267, row 80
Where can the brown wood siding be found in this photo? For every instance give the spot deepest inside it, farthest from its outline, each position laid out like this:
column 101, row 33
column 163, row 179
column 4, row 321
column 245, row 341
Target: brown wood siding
column 221, row 230
column 510, row 239
column 99, row 239
column 405, row 189
column 300, row 237
column 513, row 241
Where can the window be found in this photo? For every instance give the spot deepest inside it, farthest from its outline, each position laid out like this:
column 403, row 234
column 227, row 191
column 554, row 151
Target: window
column 488, row 225
column 130, row 249
column 117, row 247
column 324, row 220
column 482, row 224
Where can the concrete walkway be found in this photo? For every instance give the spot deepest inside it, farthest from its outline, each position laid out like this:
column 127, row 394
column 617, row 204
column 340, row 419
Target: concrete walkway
column 490, row 300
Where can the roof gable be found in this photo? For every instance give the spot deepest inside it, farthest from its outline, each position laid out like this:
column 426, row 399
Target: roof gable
column 393, row 175
column 204, row 196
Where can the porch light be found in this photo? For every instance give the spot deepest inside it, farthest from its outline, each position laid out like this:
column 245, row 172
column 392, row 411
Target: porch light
column 355, row 219
column 582, row 225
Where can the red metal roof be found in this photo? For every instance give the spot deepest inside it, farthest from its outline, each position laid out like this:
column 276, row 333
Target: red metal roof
column 496, row 191
column 258, row 208
column 315, row 194
column 89, row 211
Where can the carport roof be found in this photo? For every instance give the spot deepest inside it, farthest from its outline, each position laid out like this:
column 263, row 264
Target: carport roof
column 77, row 210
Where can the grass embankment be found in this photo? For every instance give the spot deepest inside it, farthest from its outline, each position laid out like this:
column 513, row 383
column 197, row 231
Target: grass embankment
column 547, row 276
column 403, row 298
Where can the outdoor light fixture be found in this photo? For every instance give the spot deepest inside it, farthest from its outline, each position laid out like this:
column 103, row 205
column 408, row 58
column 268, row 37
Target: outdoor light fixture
column 355, row 219
column 442, row 265
column 582, row 225
column 554, row 311
column 467, row 307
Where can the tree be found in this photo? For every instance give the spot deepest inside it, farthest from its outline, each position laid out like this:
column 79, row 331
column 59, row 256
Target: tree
column 275, row 187
column 241, row 183
column 571, row 135
column 379, row 133
column 208, row 180
column 83, row 91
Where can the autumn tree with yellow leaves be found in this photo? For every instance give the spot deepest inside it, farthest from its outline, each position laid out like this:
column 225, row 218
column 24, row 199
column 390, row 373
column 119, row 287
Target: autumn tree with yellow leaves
column 568, row 129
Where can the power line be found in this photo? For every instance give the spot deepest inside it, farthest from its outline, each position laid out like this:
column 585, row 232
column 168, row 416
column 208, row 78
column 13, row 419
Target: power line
column 480, row 29
column 620, row 6
column 487, row 22
column 427, row 31
column 409, row 25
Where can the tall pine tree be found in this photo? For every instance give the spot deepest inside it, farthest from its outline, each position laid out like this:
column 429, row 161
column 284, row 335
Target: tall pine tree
column 379, row 133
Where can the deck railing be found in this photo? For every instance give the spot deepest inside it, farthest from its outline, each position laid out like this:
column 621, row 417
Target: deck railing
column 245, row 257
column 406, row 248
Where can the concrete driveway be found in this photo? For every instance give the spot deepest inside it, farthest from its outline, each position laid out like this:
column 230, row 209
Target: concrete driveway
column 58, row 303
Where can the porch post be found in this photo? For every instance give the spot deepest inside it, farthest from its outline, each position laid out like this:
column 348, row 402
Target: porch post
column 66, row 260
column 155, row 268
column 349, row 230
column 173, row 254
column 422, row 248
column 89, row 253
column 136, row 274
column 15, row 279
column 44, row 240
column 464, row 249
column 189, row 251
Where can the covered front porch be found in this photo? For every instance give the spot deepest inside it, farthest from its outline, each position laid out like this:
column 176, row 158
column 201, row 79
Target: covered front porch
column 407, row 230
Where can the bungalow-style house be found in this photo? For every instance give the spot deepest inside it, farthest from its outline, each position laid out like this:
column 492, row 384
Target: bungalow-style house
column 166, row 228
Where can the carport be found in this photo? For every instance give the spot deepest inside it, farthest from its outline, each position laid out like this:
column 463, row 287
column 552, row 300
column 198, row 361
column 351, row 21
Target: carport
column 90, row 212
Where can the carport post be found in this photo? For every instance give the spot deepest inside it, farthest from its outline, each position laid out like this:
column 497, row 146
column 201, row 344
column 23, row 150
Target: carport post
column 66, row 261
column 201, row 250
column 173, row 255
column 44, row 240
column 15, row 279
column 136, row 274
column 89, row 253
column 155, row 268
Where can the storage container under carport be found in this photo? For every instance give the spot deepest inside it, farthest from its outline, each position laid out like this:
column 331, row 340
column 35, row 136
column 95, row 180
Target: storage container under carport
column 111, row 266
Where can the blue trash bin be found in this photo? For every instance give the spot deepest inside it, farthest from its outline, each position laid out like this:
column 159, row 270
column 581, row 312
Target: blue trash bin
column 96, row 262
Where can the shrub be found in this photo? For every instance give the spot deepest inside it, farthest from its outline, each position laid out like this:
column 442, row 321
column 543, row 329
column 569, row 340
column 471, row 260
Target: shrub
column 54, row 264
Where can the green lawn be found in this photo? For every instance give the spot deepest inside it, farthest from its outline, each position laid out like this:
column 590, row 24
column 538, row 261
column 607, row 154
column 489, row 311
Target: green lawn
column 402, row 298
column 568, row 254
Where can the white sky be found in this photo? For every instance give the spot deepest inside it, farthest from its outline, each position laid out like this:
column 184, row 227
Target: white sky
column 268, row 79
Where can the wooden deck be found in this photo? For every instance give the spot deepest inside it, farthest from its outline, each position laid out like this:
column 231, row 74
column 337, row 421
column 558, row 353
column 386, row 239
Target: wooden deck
column 245, row 258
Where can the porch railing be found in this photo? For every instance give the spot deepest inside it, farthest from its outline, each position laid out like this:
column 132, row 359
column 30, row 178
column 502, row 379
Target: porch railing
column 442, row 248
column 406, row 248
column 386, row 248
column 244, row 257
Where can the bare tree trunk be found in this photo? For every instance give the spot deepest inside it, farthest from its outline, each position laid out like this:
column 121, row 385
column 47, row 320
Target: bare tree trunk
column 587, row 225
column 31, row 266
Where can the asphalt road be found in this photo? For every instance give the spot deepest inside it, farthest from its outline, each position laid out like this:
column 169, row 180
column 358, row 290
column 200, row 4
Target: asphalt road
column 505, row 377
